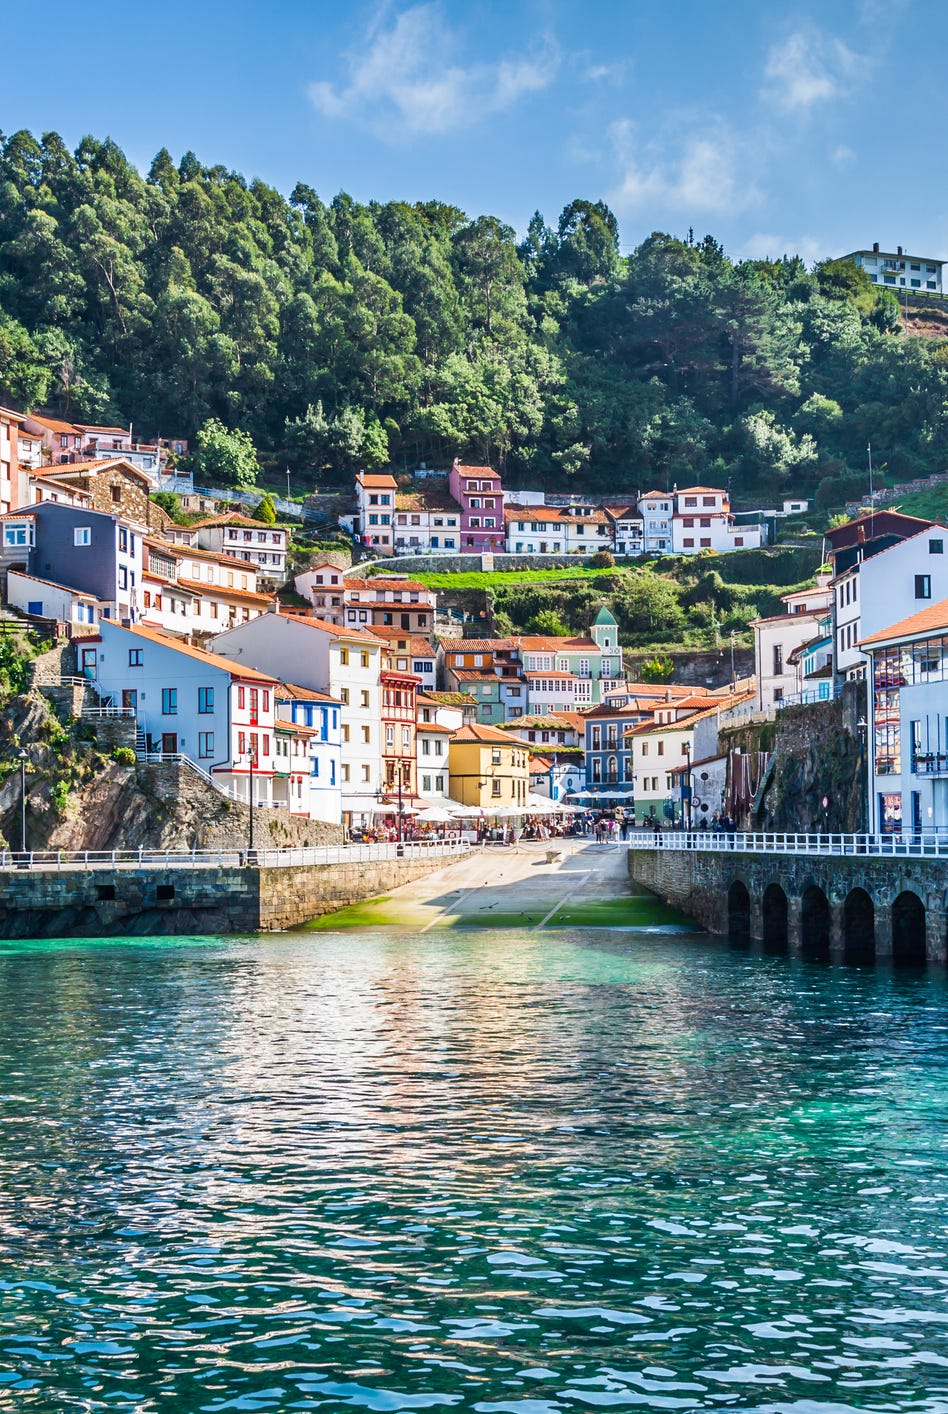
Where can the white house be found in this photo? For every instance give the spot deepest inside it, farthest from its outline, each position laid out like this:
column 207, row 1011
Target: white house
column 778, row 637
column 908, row 741
column 375, row 516
column 899, row 271
column 534, row 530
column 883, row 588
column 322, row 584
column 341, row 662
column 42, row 598
column 239, row 538
column 628, row 529
column 656, row 509
column 187, row 590
column 191, row 703
column 315, row 782
column 410, row 653
column 427, row 521
column 702, row 520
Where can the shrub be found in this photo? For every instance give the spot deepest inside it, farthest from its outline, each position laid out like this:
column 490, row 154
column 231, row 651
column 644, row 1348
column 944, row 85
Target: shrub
column 124, row 755
column 658, row 669
column 602, row 560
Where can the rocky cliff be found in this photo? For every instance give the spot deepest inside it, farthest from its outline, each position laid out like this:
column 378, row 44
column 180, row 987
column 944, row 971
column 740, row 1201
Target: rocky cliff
column 818, row 753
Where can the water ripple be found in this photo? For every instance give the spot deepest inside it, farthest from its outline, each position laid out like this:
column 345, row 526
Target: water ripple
column 500, row 1173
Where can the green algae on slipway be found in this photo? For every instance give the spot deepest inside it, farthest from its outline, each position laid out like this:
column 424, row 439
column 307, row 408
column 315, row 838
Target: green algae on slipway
column 632, row 911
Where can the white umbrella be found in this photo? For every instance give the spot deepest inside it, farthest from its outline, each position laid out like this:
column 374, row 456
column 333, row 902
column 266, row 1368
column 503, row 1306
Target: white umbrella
column 434, row 815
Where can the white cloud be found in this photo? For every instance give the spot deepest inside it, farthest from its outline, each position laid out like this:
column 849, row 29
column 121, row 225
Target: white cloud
column 700, row 172
column 407, row 80
column 842, row 156
column 763, row 246
column 810, row 67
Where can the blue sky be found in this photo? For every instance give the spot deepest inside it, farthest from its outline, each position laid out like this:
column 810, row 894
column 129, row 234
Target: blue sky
column 812, row 128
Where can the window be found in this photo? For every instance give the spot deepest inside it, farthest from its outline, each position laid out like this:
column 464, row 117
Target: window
column 936, row 547
column 778, row 659
column 135, row 657
column 923, row 586
column 495, row 787
column 82, row 535
column 205, row 745
column 364, row 660
column 366, row 734
column 241, row 697
column 169, row 701
column 344, row 657
column 122, row 577
column 205, row 699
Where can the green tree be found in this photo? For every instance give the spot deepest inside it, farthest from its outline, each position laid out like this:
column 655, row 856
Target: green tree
column 548, row 623
column 265, row 510
column 224, row 457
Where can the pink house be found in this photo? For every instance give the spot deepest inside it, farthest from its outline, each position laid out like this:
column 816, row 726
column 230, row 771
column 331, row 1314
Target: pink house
column 479, row 493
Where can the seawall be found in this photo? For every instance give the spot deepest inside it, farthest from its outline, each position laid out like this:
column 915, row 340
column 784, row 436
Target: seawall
column 183, row 898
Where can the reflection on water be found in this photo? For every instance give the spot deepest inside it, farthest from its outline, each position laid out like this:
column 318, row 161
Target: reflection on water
column 491, row 1172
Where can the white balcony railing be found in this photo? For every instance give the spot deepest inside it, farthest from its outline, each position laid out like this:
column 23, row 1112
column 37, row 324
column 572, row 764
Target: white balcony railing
column 219, row 858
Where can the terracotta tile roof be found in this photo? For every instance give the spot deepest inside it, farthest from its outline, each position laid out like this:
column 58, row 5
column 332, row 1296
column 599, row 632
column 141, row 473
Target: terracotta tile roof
column 478, row 645
column 290, row 691
column 95, row 427
column 376, row 481
column 435, row 499
column 533, row 513
column 480, row 471
column 337, row 630
column 548, row 721
column 381, row 582
column 214, row 660
column 53, row 584
column 418, row 646
column 224, row 591
column 491, row 736
column 934, row 619
column 481, row 675
column 550, row 673
column 707, row 490
column 54, row 424
column 534, row 643
column 434, row 727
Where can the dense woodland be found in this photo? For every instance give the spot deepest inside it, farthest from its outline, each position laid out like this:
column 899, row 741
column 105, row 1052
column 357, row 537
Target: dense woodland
column 340, row 335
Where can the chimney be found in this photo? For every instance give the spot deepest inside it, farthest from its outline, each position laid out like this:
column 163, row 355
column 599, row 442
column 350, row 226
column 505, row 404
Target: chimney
column 898, row 250
column 875, row 247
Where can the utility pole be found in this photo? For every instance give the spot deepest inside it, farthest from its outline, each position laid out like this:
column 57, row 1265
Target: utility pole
column 288, row 483
column 22, row 759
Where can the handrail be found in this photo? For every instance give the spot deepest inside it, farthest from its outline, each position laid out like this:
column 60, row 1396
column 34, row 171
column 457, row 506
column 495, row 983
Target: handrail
column 915, row 845
column 301, row 856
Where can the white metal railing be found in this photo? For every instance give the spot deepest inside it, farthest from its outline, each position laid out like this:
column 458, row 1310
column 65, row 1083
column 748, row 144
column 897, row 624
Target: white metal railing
column 219, row 858
column 930, row 846
column 108, row 710
column 67, row 680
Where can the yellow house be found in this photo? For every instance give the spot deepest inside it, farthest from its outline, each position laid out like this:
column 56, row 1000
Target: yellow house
column 487, row 768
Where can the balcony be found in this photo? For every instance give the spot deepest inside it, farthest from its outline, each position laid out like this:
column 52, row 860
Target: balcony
column 931, row 763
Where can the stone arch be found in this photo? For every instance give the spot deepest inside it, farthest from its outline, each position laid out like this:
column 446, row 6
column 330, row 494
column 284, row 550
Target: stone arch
column 774, row 917
column 814, row 923
column 859, row 927
column 738, row 912
column 908, row 928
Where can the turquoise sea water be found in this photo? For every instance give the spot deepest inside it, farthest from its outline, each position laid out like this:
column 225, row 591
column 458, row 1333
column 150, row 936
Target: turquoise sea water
column 490, row 1172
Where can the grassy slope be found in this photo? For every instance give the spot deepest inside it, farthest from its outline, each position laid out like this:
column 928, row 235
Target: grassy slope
column 932, row 504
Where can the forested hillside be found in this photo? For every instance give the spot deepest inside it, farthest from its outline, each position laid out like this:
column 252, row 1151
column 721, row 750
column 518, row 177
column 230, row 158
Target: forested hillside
column 341, row 335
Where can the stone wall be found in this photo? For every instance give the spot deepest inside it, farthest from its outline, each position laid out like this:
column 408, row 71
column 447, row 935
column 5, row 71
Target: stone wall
column 698, row 882
column 160, row 900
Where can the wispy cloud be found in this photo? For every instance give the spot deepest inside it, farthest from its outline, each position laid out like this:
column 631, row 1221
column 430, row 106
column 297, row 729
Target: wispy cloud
column 407, row 79
column 699, row 172
column 809, row 67
column 763, row 246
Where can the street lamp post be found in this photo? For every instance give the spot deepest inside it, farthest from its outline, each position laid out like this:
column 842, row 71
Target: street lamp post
column 22, row 759
column 251, row 757
column 686, row 787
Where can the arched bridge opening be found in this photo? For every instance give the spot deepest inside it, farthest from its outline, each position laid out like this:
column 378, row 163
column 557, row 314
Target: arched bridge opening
column 774, row 917
column 859, row 927
column 738, row 913
column 908, row 929
column 814, row 923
